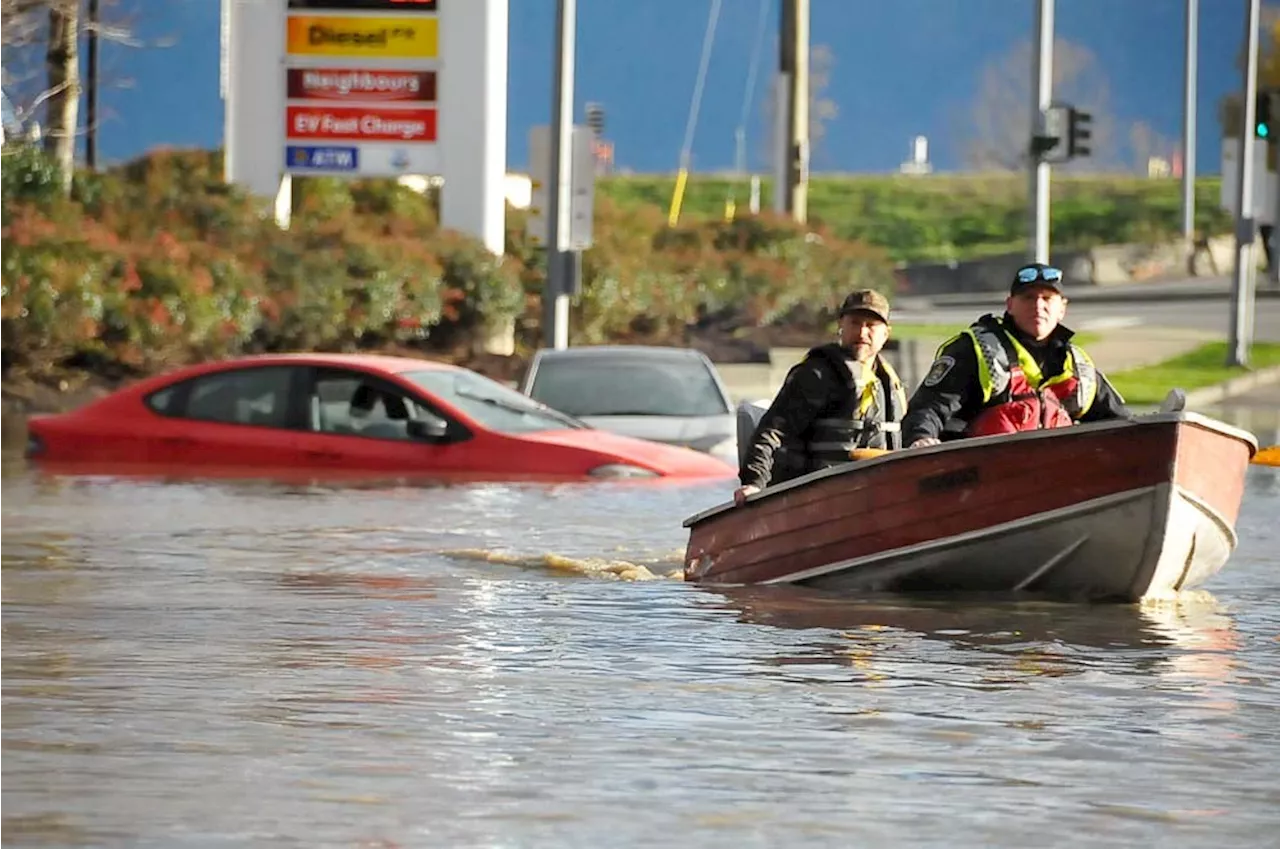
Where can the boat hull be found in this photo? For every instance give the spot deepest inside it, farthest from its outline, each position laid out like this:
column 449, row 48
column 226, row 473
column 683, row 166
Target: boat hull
column 1118, row 511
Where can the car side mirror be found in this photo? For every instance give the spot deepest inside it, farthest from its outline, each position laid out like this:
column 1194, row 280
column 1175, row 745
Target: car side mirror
column 428, row 430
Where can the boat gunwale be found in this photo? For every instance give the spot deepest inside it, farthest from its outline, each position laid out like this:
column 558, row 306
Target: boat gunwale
column 973, row 443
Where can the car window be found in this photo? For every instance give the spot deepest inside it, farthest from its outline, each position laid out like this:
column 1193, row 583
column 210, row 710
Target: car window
column 163, row 402
column 254, row 396
column 357, row 405
column 621, row 386
column 493, row 405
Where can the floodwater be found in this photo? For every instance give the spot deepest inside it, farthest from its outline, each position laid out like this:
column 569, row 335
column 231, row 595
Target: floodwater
column 253, row 664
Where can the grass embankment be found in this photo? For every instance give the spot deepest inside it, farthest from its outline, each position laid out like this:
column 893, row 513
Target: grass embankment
column 1196, row 369
column 961, row 216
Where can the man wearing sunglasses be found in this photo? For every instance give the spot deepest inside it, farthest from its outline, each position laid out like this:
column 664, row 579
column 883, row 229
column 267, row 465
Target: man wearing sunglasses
column 842, row 396
column 1017, row 372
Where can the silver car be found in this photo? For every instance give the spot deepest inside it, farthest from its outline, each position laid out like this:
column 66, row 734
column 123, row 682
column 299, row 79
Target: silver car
column 671, row 395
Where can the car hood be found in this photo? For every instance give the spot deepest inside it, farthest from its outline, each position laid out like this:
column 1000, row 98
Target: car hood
column 694, row 431
column 664, row 459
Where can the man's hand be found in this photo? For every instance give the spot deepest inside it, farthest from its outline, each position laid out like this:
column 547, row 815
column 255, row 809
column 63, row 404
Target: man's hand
column 925, row 441
column 740, row 494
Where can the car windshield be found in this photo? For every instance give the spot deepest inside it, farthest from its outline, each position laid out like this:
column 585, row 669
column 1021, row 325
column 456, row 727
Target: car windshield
column 491, row 404
column 628, row 386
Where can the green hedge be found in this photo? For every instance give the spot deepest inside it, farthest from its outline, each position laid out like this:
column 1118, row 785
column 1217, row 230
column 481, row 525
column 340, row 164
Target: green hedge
column 159, row 262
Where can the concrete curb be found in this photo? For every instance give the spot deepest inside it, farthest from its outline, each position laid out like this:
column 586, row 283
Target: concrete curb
column 1209, row 396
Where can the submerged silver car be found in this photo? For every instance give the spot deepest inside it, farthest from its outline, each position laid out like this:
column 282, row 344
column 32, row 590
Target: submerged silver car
column 670, row 395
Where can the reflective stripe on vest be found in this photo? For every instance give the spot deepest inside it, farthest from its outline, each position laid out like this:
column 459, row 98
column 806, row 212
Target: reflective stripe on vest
column 873, row 414
column 995, row 371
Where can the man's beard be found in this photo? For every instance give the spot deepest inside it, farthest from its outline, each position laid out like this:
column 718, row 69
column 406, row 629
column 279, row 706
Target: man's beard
column 863, row 352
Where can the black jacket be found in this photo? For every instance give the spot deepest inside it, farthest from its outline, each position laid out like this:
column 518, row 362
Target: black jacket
column 820, row 387
column 950, row 396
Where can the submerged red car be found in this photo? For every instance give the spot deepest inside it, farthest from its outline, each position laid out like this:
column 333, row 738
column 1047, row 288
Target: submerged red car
column 347, row 413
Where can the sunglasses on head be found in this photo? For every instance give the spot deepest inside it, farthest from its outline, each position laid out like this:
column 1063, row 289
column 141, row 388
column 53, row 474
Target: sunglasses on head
column 1031, row 275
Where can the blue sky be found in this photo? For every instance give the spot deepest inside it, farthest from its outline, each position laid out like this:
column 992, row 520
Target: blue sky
column 902, row 68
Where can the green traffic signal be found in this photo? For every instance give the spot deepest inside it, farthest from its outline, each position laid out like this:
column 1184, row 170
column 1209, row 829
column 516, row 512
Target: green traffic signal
column 1263, row 116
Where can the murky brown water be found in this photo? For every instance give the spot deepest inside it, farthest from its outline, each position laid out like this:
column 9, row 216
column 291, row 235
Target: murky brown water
column 247, row 664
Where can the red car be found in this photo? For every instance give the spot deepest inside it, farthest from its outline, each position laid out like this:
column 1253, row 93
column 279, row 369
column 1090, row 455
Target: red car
column 347, row 413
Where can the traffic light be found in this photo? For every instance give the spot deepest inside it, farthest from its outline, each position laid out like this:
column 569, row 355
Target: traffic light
column 1079, row 132
column 595, row 119
column 1048, row 143
column 1263, row 122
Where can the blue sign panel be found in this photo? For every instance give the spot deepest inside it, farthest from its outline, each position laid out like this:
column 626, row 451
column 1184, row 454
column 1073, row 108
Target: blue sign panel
column 322, row 157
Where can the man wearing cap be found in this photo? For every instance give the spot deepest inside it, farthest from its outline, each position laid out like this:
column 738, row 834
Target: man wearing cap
column 1017, row 372
column 841, row 396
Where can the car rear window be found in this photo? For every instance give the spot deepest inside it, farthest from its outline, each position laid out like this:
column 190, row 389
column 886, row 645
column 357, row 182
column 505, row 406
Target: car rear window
column 257, row 396
column 613, row 386
column 163, row 401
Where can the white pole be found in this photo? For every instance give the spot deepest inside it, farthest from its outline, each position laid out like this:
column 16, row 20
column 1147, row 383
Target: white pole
column 555, row 294
column 1189, row 129
column 1042, row 96
column 1246, row 262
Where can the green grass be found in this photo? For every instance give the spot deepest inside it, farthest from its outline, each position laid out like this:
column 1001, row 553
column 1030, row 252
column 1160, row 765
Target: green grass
column 957, row 216
column 1204, row 366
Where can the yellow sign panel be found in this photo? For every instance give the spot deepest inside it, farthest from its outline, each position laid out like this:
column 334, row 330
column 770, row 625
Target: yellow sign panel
column 410, row 38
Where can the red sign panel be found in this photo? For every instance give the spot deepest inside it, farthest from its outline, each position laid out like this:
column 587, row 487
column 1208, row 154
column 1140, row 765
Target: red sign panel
column 349, row 84
column 360, row 124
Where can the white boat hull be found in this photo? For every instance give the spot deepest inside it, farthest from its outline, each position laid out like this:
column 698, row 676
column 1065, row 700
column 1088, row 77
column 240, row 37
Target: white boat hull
column 1141, row 544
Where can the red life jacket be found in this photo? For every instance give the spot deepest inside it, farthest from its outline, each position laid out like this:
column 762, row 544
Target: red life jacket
column 1017, row 395
column 1026, row 409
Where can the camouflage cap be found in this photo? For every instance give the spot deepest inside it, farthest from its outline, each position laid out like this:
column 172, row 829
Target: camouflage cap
column 866, row 300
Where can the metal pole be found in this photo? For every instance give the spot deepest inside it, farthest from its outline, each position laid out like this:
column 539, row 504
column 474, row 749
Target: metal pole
column 1189, row 130
column 1042, row 96
column 1273, row 151
column 1242, row 291
column 786, row 90
column 91, row 98
column 555, row 292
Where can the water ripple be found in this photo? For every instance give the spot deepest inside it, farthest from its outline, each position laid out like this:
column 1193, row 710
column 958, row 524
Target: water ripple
column 241, row 664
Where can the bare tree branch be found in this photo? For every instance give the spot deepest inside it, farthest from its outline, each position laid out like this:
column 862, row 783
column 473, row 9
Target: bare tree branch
column 822, row 109
column 1000, row 126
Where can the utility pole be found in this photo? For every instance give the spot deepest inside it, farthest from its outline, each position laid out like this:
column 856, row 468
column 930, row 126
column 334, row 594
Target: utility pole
column 1246, row 263
column 793, row 66
column 1189, row 132
column 91, row 98
column 560, row 262
column 1041, row 99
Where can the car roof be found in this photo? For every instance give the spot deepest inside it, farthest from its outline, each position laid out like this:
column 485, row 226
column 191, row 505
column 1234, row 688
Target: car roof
column 377, row 362
column 367, row 362
column 654, row 352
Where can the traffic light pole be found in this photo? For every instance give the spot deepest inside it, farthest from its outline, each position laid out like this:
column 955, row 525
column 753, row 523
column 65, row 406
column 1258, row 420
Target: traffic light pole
column 1246, row 263
column 1041, row 99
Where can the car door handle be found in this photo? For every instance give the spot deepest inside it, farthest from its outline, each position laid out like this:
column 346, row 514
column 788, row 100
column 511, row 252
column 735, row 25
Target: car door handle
column 323, row 455
column 178, row 441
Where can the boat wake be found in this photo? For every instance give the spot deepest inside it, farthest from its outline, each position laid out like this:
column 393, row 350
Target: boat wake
column 590, row 567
